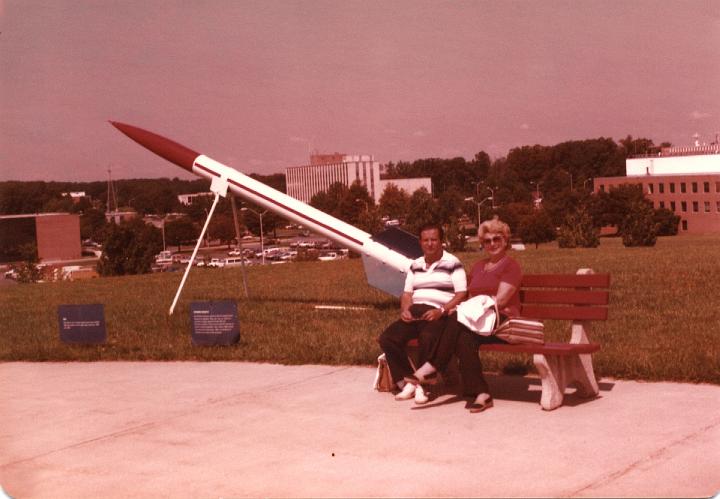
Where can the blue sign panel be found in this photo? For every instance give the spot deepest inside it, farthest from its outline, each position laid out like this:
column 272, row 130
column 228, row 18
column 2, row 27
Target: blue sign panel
column 214, row 323
column 84, row 324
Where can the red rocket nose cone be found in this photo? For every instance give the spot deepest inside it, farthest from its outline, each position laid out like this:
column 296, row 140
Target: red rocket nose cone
column 166, row 148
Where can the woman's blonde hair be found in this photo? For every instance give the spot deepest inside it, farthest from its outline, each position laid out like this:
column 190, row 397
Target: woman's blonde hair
column 495, row 226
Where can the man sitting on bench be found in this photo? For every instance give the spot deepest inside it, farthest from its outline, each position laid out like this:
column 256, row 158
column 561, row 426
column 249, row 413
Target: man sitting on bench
column 435, row 284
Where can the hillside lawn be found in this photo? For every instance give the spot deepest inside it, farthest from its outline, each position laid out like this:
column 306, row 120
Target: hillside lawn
column 664, row 312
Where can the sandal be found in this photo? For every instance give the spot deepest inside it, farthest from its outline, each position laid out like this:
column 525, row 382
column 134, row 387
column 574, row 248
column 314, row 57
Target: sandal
column 480, row 406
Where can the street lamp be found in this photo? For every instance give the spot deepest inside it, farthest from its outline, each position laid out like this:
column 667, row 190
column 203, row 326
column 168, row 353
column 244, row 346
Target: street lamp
column 262, row 244
column 537, row 199
column 492, row 192
column 479, row 204
column 163, row 232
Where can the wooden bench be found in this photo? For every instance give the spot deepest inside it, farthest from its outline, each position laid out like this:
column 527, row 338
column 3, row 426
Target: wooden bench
column 579, row 298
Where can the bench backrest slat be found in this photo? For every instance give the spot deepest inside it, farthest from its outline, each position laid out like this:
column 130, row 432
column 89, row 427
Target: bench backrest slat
column 564, row 313
column 565, row 296
column 566, row 281
column 581, row 297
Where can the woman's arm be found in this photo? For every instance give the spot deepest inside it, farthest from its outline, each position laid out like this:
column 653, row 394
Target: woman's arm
column 504, row 293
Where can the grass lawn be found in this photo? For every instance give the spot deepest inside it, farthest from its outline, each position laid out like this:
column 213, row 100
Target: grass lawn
column 664, row 316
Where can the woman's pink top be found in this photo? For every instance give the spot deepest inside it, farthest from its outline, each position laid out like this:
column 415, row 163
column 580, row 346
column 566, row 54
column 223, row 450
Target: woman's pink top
column 486, row 282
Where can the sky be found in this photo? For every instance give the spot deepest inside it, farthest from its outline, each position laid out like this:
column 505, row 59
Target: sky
column 257, row 85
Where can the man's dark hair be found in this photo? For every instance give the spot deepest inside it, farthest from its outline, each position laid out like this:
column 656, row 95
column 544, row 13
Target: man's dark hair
column 430, row 226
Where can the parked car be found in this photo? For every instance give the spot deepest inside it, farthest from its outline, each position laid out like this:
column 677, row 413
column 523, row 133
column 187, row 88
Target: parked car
column 216, row 262
column 164, row 258
column 235, row 252
column 235, row 261
column 328, row 257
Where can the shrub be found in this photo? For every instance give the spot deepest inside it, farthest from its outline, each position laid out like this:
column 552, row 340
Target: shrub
column 667, row 222
column 639, row 228
column 578, row 230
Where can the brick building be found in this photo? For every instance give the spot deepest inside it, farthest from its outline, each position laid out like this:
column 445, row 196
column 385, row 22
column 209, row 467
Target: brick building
column 56, row 236
column 685, row 180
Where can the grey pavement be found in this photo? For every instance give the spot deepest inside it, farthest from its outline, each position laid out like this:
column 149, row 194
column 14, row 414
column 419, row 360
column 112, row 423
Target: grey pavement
column 232, row 429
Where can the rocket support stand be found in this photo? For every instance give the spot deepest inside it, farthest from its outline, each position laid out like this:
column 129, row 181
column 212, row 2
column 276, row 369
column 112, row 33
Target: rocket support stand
column 220, row 187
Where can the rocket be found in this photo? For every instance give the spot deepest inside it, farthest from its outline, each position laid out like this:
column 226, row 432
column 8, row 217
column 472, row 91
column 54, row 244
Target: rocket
column 386, row 257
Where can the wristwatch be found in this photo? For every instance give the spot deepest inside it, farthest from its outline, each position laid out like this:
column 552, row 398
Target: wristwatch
column 442, row 309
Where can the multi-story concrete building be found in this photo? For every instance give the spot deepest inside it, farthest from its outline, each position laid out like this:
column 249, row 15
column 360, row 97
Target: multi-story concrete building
column 685, row 180
column 303, row 182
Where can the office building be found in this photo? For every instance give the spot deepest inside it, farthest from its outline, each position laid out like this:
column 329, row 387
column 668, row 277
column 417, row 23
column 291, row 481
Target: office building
column 685, row 180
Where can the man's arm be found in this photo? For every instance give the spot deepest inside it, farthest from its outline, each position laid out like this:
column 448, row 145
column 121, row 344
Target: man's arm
column 435, row 313
column 405, row 302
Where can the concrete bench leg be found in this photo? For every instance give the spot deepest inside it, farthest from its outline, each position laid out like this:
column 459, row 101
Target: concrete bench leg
column 557, row 372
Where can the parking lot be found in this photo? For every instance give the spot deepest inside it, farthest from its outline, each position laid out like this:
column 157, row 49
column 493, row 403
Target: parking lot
column 276, row 250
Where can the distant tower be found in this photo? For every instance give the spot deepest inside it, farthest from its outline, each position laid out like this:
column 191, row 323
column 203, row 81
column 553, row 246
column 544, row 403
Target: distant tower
column 111, row 197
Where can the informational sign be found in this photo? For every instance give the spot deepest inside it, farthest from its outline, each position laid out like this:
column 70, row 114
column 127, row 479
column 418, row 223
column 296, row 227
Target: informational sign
column 82, row 324
column 214, row 323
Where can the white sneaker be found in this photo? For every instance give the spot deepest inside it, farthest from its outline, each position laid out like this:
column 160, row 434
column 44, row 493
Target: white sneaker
column 407, row 392
column 420, row 396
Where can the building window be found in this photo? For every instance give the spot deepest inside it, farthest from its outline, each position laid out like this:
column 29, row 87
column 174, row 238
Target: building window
column 662, row 204
column 694, row 186
column 696, row 206
column 661, row 188
column 707, row 206
column 683, row 205
column 672, row 187
column 683, row 188
column 650, row 188
column 672, row 205
column 717, row 186
column 684, row 224
column 706, row 186
column 717, row 207
column 602, row 187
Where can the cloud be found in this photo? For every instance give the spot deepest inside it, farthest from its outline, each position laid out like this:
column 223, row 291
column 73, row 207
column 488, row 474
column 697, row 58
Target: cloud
column 699, row 115
column 524, row 126
column 419, row 133
column 298, row 140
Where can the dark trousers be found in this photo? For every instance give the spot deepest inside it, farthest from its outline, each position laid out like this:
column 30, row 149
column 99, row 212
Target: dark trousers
column 395, row 337
column 465, row 344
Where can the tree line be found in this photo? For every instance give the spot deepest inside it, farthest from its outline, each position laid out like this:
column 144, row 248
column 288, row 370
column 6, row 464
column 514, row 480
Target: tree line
column 477, row 189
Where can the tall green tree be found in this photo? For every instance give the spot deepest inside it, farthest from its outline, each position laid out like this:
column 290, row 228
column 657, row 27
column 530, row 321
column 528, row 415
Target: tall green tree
column 394, row 202
column 423, row 209
column 537, row 228
column 129, row 248
column 181, row 231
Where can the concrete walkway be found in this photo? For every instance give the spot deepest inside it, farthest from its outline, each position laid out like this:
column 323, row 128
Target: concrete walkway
column 190, row 430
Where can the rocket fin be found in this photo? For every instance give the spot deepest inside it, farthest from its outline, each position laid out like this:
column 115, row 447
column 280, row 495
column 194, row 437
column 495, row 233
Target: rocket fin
column 384, row 277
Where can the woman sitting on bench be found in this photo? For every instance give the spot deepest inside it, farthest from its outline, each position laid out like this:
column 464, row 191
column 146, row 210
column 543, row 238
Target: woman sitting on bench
column 498, row 276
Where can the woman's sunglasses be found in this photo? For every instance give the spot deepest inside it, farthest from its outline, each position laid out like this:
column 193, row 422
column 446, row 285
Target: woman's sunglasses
column 491, row 240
